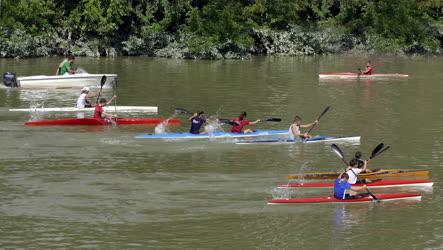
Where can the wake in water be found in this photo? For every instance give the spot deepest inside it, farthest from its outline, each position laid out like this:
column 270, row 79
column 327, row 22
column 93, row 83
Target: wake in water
column 286, row 193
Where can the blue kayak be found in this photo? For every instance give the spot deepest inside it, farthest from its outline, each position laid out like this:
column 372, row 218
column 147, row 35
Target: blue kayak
column 311, row 140
column 220, row 134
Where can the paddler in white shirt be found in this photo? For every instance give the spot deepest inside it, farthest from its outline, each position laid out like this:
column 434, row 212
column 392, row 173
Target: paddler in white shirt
column 83, row 101
column 353, row 170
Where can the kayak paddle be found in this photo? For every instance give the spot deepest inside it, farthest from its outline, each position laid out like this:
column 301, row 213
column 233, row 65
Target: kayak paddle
column 318, row 119
column 102, row 82
column 229, row 121
column 182, row 111
column 340, row 154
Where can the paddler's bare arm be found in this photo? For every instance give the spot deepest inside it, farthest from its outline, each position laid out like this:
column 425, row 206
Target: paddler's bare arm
column 309, row 125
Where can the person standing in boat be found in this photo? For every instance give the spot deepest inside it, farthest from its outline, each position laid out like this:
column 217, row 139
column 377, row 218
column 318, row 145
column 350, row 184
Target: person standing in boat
column 369, row 69
column 240, row 122
column 99, row 111
column 197, row 120
column 83, row 101
column 344, row 190
column 294, row 129
column 67, row 66
column 353, row 170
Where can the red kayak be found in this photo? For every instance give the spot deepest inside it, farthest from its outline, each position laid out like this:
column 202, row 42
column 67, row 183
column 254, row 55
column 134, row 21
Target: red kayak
column 106, row 121
column 374, row 184
column 349, row 75
column 331, row 199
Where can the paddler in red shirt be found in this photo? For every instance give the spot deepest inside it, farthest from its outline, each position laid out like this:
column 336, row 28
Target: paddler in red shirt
column 99, row 112
column 368, row 70
column 240, row 122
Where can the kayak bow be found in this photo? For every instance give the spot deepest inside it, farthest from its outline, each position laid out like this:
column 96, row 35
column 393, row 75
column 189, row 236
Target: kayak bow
column 106, row 121
column 331, row 199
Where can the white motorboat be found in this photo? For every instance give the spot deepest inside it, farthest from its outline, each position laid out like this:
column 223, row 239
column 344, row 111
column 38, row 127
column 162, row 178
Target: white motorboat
column 78, row 80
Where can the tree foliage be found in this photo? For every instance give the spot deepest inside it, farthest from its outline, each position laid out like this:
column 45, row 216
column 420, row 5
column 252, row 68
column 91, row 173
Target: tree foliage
column 208, row 23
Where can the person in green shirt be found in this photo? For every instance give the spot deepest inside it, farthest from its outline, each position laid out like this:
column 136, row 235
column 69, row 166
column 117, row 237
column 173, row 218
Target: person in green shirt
column 66, row 66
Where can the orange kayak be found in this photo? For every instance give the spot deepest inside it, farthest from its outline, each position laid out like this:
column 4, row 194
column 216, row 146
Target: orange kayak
column 375, row 174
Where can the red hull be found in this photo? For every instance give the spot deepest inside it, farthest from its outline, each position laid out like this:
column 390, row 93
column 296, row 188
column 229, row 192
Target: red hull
column 97, row 121
column 379, row 183
column 331, row 199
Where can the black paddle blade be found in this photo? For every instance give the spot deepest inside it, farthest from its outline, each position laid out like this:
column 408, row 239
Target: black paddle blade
column 324, row 112
column 273, row 120
column 339, row 153
column 337, row 150
column 376, row 150
column 373, row 196
column 102, row 81
column 182, row 111
column 226, row 121
column 383, row 150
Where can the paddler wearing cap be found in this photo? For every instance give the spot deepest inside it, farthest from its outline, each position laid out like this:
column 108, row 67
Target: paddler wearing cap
column 240, row 122
column 197, row 120
column 83, row 99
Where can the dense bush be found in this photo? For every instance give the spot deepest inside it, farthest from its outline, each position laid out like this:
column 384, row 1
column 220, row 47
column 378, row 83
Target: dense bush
column 218, row 28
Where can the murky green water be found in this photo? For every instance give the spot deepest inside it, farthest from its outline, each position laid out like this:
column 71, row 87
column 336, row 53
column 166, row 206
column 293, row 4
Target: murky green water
column 101, row 188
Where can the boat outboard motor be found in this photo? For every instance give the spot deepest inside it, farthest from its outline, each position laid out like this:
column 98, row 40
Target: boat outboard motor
column 10, row 79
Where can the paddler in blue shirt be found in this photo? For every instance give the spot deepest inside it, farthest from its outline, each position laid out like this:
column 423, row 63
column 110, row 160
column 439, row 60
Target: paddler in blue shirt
column 197, row 120
column 344, row 190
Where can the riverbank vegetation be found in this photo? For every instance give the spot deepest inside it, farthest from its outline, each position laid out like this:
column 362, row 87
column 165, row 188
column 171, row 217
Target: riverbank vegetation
column 219, row 28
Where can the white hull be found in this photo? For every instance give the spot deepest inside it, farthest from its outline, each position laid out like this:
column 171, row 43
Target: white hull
column 120, row 109
column 279, row 142
column 66, row 81
column 357, row 76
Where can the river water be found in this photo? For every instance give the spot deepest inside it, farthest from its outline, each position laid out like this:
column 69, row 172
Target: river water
column 66, row 187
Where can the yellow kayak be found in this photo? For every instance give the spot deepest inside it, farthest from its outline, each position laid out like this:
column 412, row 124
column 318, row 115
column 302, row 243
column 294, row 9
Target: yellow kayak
column 375, row 174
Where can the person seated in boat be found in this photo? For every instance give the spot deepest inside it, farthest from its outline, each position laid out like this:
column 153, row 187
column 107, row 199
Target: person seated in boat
column 353, row 170
column 369, row 69
column 240, row 122
column 83, row 100
column 294, row 129
column 360, row 162
column 99, row 111
column 344, row 190
column 197, row 120
column 67, row 66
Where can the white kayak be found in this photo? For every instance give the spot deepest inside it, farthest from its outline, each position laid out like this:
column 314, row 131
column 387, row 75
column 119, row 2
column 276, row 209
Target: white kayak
column 311, row 140
column 220, row 134
column 119, row 109
column 78, row 80
column 349, row 75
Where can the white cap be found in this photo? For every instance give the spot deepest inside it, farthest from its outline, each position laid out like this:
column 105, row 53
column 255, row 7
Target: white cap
column 85, row 89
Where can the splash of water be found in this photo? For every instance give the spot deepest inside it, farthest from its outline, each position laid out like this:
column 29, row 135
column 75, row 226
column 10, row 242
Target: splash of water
column 162, row 127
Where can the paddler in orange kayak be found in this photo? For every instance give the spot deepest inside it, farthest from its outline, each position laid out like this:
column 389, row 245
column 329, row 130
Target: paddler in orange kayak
column 99, row 112
column 368, row 71
column 344, row 190
column 294, row 129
